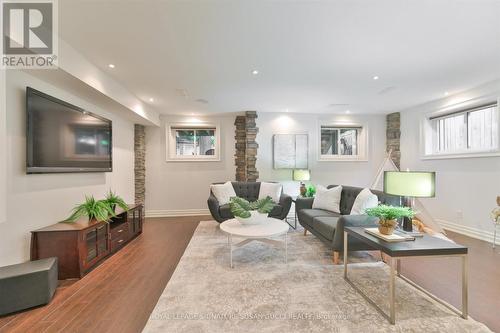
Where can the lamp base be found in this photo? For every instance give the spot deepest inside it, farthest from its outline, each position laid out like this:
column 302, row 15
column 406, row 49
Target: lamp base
column 303, row 189
column 407, row 224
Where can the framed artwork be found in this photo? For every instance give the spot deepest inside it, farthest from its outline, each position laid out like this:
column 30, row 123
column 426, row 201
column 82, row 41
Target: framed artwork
column 290, row 151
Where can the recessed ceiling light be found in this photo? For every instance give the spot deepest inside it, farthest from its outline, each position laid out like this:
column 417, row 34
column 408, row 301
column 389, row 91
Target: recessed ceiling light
column 347, row 111
column 446, row 93
column 151, row 99
column 255, row 72
column 111, row 66
column 375, row 77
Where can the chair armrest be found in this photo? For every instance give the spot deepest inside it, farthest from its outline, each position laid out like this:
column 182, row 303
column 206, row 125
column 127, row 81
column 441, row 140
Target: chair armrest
column 286, row 204
column 213, row 206
column 303, row 203
column 351, row 221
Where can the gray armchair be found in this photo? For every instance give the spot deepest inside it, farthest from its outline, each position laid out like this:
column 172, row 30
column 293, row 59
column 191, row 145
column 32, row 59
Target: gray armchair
column 250, row 192
column 329, row 226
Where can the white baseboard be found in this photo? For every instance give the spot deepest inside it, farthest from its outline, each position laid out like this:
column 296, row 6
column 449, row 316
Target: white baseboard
column 174, row 213
column 467, row 231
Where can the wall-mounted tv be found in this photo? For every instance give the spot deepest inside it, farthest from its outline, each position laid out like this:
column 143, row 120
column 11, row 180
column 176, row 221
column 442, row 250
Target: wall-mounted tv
column 63, row 138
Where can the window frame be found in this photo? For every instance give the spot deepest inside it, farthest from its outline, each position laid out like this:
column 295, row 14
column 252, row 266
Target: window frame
column 171, row 152
column 362, row 142
column 429, row 134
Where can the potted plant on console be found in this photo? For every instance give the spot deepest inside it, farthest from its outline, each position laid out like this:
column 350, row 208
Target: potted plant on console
column 251, row 212
column 114, row 200
column 388, row 216
column 100, row 210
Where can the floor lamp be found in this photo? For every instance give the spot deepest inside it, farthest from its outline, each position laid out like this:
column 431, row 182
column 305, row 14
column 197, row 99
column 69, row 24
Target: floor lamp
column 410, row 185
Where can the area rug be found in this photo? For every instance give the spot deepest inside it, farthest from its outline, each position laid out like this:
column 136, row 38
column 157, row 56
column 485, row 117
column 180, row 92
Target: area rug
column 308, row 294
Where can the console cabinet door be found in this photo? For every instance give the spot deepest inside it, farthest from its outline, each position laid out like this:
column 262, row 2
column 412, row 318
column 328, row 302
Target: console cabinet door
column 95, row 245
column 135, row 221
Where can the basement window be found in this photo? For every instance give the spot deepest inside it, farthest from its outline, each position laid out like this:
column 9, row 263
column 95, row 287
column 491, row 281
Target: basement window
column 193, row 142
column 342, row 143
column 463, row 133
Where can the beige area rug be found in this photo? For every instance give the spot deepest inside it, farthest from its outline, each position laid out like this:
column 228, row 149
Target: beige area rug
column 263, row 294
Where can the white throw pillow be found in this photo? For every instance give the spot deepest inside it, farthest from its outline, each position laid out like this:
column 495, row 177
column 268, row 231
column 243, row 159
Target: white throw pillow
column 365, row 199
column 270, row 189
column 328, row 199
column 223, row 192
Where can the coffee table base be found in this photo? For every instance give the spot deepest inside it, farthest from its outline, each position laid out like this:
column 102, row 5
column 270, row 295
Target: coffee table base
column 248, row 240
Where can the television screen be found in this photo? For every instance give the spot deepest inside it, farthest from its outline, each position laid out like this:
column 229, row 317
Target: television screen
column 65, row 138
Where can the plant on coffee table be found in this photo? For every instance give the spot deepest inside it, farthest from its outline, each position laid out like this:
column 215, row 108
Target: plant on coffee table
column 242, row 209
column 388, row 215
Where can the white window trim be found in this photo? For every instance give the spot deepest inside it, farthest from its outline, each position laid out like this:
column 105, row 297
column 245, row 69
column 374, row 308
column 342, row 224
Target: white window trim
column 362, row 143
column 170, row 139
column 425, row 127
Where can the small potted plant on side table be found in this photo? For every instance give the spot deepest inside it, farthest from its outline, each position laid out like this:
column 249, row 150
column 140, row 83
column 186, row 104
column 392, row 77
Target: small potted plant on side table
column 388, row 216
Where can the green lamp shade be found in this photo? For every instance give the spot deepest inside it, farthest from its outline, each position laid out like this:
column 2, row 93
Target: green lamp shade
column 301, row 175
column 415, row 184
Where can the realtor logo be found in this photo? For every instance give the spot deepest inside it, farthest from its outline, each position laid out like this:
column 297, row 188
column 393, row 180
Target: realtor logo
column 29, row 34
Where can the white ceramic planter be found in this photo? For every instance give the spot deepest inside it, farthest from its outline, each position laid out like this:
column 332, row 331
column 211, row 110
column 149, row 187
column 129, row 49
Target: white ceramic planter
column 255, row 218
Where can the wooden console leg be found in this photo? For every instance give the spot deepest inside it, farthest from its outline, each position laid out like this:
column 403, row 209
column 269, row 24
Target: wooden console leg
column 305, row 232
column 336, row 256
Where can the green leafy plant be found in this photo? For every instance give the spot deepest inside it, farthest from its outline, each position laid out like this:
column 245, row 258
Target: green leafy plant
column 99, row 210
column 114, row 200
column 311, row 191
column 389, row 213
column 242, row 208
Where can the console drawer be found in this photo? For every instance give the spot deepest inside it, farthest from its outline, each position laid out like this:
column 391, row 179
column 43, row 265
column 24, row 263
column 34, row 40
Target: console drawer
column 120, row 232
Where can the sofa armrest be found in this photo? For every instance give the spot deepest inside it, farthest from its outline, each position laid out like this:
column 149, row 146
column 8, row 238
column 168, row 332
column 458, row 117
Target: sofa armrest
column 351, row 221
column 303, row 203
column 213, row 206
column 286, row 204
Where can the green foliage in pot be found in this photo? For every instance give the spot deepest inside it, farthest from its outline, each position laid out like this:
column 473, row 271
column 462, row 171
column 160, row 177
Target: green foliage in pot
column 99, row 210
column 114, row 200
column 242, row 208
column 389, row 213
column 311, row 191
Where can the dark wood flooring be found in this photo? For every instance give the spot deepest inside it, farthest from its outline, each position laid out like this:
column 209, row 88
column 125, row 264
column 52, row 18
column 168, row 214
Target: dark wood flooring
column 120, row 294
column 442, row 277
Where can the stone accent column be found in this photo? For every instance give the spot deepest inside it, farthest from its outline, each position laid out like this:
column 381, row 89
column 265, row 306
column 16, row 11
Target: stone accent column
column 393, row 137
column 241, row 144
column 245, row 157
column 140, row 163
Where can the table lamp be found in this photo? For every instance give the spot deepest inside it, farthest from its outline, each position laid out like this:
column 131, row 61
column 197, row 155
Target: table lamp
column 410, row 185
column 301, row 175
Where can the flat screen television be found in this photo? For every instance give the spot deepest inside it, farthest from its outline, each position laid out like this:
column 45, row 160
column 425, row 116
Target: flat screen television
column 64, row 138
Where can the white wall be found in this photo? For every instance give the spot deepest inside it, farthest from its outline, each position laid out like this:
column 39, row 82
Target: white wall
column 3, row 146
column 177, row 188
column 359, row 173
column 36, row 201
column 466, row 188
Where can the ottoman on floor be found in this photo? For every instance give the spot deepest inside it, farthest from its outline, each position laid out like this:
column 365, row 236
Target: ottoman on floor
column 26, row 285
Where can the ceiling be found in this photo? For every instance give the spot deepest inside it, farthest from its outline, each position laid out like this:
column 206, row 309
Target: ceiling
column 312, row 56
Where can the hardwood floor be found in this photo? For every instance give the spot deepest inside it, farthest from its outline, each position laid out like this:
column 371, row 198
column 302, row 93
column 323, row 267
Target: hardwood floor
column 441, row 276
column 120, row 294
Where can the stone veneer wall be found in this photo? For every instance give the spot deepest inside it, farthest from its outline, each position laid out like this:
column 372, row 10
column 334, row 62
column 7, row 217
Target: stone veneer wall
column 246, row 147
column 140, row 163
column 393, row 137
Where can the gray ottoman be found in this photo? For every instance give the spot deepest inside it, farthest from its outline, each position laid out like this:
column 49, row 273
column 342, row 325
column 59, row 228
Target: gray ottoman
column 26, row 285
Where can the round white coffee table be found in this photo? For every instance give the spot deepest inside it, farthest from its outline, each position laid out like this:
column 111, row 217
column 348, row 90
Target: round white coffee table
column 264, row 232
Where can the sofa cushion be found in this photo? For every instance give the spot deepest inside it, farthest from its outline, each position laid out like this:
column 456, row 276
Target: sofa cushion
column 272, row 190
column 328, row 199
column 307, row 215
column 223, row 192
column 365, row 199
column 325, row 225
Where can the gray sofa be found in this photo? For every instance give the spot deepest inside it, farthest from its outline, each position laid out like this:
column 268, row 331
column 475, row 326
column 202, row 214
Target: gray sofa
column 329, row 226
column 250, row 192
